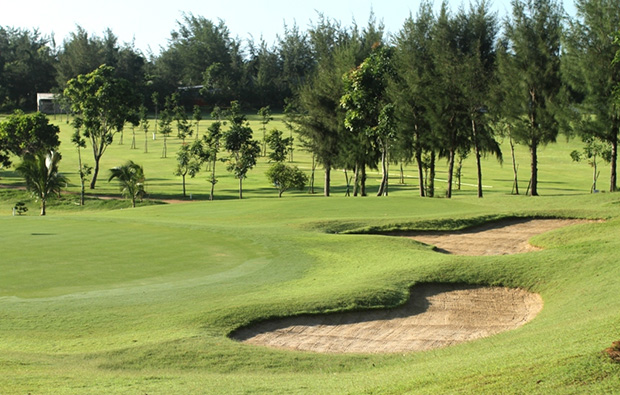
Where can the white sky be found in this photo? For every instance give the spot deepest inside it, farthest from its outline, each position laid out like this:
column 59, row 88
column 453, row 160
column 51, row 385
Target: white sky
column 149, row 23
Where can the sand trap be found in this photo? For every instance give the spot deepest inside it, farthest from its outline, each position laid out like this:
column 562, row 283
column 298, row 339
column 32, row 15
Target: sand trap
column 497, row 238
column 436, row 315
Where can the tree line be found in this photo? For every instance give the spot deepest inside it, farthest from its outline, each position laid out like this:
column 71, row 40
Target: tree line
column 446, row 86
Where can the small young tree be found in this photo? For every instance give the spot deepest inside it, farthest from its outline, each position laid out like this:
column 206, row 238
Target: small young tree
column 212, row 145
column 155, row 99
column 285, row 177
column 594, row 148
column 180, row 116
column 197, row 118
column 20, row 208
column 165, row 125
column 189, row 160
column 40, row 170
column 144, row 124
column 134, row 119
column 238, row 142
column 265, row 114
column 131, row 180
column 278, row 145
column 84, row 169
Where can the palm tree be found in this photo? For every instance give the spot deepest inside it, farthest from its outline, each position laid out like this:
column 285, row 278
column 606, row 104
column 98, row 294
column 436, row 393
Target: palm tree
column 131, row 178
column 41, row 174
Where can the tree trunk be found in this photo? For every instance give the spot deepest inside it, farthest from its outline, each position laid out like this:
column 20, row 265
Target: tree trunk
column 327, row 186
column 82, row 192
column 534, row 168
column 479, row 167
column 240, row 187
column 431, row 177
column 213, row 179
column 133, row 201
column 418, row 158
column 184, row 195
column 363, row 181
column 146, row 143
column 383, row 186
column 312, row 174
column 95, row 173
column 514, row 167
column 450, row 175
column 42, row 207
column 356, row 181
column 613, row 184
column 82, row 186
column 594, row 175
column 477, row 153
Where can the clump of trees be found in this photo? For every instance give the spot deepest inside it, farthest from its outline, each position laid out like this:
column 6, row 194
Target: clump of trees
column 447, row 86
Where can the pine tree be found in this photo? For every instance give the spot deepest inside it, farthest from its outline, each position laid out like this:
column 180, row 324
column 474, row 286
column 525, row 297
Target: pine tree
column 588, row 68
column 529, row 67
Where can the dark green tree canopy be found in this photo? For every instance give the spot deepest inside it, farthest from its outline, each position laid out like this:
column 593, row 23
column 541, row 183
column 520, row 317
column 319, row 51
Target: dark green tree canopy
column 26, row 67
column 22, row 134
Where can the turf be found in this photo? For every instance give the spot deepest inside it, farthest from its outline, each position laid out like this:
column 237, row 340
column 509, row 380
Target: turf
column 110, row 300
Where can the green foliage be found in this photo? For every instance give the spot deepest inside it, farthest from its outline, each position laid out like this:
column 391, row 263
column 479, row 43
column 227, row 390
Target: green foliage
column 265, row 114
column 369, row 117
column 131, row 180
column 285, row 177
column 20, row 208
column 589, row 69
column 104, row 103
column 238, row 142
column 278, row 145
column 27, row 61
column 212, row 140
column 530, row 71
column 22, row 134
column 190, row 158
column 40, row 170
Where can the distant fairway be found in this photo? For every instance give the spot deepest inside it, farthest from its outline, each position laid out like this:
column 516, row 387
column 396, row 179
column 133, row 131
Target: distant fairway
column 109, row 300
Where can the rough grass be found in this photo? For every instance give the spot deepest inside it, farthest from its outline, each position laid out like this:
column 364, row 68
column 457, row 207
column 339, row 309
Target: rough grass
column 142, row 300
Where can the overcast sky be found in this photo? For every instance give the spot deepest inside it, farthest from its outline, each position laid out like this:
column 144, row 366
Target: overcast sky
column 148, row 23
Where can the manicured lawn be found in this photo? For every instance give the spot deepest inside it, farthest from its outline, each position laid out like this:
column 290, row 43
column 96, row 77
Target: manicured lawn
column 110, row 300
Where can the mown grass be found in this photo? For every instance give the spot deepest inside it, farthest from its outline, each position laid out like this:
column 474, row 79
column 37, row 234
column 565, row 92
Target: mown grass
column 104, row 300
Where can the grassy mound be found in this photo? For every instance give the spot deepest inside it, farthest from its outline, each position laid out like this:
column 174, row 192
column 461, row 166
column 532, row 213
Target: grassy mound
column 143, row 300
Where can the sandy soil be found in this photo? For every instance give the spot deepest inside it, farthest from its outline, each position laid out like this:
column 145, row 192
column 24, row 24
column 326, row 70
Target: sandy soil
column 498, row 238
column 436, row 315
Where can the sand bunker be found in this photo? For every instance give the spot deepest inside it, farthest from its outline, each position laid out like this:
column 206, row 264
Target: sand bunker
column 436, row 315
column 497, row 238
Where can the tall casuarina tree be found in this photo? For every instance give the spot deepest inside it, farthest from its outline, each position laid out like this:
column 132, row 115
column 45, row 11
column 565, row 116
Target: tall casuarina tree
column 589, row 69
column 530, row 68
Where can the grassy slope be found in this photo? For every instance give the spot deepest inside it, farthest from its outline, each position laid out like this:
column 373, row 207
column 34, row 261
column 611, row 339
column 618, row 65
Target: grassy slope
column 141, row 301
